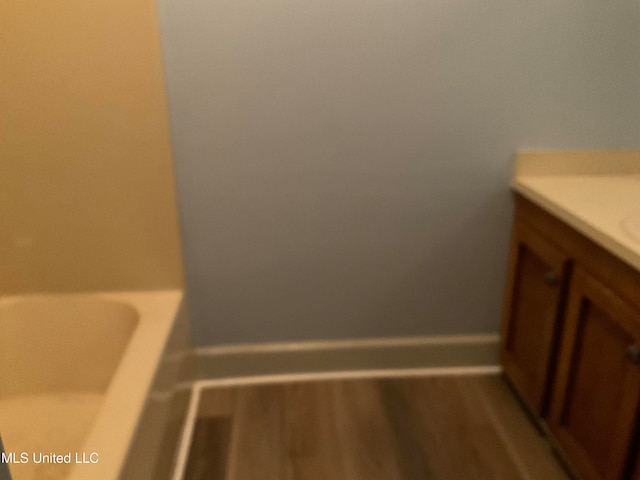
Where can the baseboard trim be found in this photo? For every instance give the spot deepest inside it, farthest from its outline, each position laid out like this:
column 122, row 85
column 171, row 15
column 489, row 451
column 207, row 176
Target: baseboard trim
column 453, row 353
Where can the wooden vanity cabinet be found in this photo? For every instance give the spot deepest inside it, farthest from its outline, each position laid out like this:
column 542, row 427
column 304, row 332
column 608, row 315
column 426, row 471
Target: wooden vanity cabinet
column 537, row 276
column 571, row 343
column 636, row 469
column 597, row 386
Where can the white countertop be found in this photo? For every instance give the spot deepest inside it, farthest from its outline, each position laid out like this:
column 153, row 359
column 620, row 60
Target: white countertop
column 597, row 193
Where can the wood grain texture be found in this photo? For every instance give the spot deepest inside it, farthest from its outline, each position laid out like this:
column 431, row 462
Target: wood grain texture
column 311, row 433
column 532, row 313
column 257, row 446
column 209, row 446
column 593, row 412
column 436, row 428
column 365, row 432
column 216, row 402
column 458, row 439
column 604, row 266
column 592, row 390
column 534, row 456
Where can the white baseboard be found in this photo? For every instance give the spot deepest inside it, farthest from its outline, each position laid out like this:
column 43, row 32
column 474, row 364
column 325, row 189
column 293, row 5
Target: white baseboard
column 432, row 352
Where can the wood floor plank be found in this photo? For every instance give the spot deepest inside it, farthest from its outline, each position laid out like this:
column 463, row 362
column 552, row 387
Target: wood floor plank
column 365, row 433
column 484, row 441
column 455, row 440
column 209, row 447
column 412, row 461
column 310, row 435
column 434, row 428
column 432, row 422
column 217, row 401
column 527, row 445
column 257, row 438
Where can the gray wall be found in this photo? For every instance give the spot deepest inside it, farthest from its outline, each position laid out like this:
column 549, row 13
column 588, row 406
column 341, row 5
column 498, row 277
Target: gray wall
column 343, row 165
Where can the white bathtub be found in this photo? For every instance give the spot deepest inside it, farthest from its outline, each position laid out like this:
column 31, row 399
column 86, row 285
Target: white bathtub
column 92, row 378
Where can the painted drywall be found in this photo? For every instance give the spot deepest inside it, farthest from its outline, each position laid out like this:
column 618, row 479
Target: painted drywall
column 87, row 192
column 343, row 165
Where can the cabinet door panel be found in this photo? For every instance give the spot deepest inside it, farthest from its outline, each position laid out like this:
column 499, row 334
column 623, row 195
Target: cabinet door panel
column 535, row 281
column 593, row 410
column 636, row 468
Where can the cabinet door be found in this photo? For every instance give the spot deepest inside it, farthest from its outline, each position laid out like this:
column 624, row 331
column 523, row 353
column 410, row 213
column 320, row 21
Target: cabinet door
column 636, row 469
column 593, row 410
column 536, row 277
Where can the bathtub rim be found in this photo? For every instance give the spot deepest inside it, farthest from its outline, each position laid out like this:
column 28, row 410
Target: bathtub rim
column 115, row 424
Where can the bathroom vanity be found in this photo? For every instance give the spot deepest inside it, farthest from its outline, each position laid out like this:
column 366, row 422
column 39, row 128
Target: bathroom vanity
column 570, row 339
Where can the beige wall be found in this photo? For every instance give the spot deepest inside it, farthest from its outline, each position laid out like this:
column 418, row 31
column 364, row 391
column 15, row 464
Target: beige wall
column 86, row 184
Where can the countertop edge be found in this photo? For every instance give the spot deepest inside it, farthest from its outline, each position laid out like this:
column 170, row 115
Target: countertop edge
column 581, row 225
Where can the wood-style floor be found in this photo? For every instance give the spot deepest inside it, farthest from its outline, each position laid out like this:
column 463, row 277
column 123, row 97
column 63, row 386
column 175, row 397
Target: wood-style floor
column 431, row 428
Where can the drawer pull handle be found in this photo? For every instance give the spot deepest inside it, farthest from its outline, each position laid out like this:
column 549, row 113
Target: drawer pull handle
column 552, row 279
column 633, row 353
